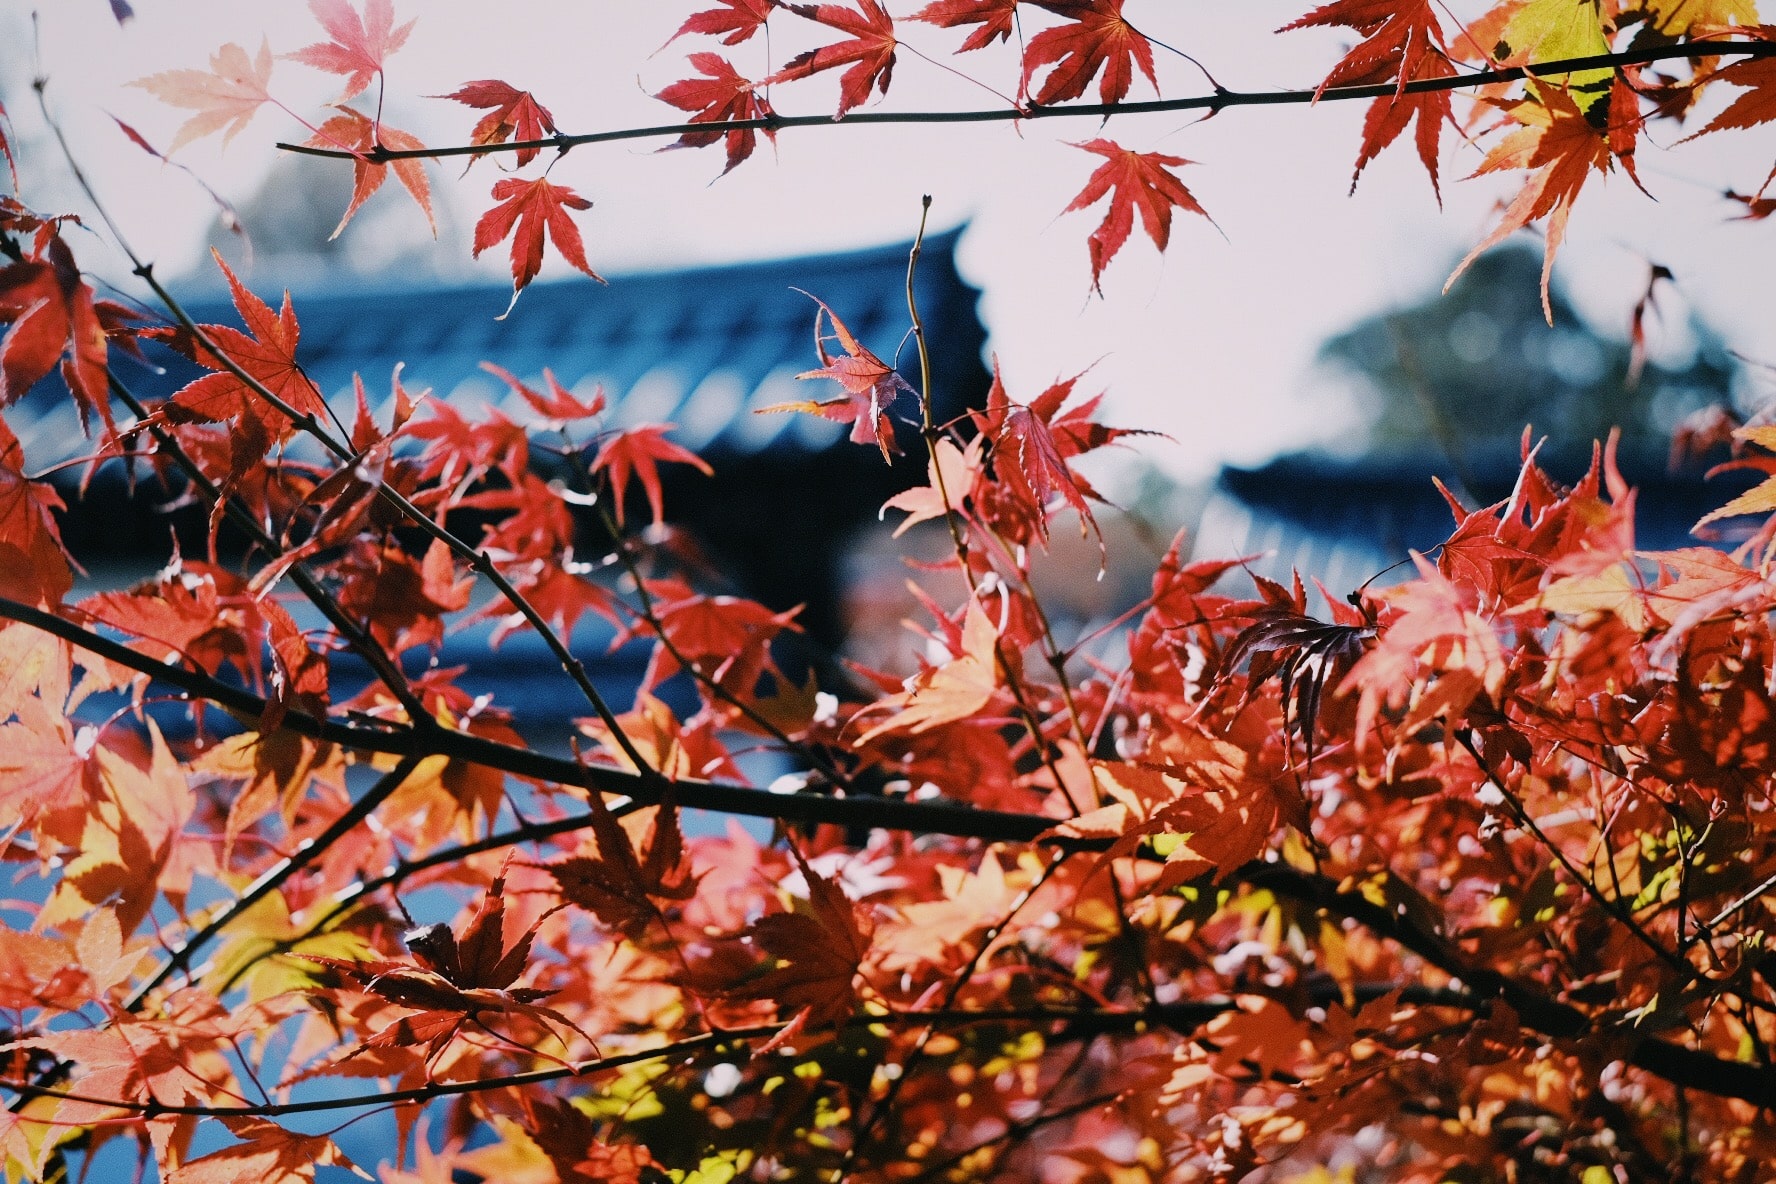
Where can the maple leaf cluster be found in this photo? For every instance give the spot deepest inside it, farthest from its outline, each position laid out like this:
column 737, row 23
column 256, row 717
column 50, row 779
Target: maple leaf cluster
column 1466, row 877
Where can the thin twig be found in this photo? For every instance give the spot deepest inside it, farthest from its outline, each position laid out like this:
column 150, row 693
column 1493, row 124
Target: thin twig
column 275, row 876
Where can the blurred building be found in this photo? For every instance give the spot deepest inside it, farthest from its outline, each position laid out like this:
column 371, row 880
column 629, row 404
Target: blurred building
column 1448, row 386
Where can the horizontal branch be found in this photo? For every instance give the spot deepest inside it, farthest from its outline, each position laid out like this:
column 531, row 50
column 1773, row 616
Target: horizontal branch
column 1214, row 103
column 925, row 818
column 1077, row 1022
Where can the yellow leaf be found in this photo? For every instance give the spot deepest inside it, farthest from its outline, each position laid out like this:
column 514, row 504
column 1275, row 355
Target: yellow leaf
column 1612, row 590
column 1554, row 30
column 1676, row 18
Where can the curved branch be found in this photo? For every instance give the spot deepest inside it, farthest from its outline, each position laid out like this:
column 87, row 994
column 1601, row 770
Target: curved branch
column 1214, row 103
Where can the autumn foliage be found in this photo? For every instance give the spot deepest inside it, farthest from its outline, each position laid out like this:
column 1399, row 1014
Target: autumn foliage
column 1467, row 877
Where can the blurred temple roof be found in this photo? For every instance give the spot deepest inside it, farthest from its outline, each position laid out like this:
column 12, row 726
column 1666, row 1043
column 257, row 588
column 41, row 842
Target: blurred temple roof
column 702, row 348
column 1347, row 520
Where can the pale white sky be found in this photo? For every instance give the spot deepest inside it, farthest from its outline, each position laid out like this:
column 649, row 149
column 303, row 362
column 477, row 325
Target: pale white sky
column 1212, row 344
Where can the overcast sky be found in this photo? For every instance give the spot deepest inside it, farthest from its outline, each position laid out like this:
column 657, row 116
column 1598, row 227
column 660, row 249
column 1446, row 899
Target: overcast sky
column 1212, row 344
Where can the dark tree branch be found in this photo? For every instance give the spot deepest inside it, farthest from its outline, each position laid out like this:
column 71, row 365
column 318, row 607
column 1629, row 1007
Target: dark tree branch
column 1214, row 102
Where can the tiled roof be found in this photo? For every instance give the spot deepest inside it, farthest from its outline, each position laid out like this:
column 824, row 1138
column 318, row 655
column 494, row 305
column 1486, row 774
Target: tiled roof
column 701, row 348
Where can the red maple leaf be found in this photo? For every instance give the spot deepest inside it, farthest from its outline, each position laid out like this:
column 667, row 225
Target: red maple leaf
column 869, row 53
column 638, row 451
column 33, row 563
column 54, row 320
column 1758, row 103
column 1395, row 34
column 1030, row 455
column 559, row 405
column 721, row 95
column 358, row 133
column 726, row 638
column 358, row 45
column 1403, row 43
column 514, row 114
column 559, row 597
column 529, row 207
column 1133, row 181
column 871, row 387
column 1388, row 117
column 996, row 18
column 733, row 21
column 457, row 980
column 816, row 953
column 1096, row 38
column 267, row 352
column 618, row 886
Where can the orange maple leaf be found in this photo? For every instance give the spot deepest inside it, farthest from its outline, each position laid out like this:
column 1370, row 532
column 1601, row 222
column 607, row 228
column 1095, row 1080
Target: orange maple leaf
column 1564, row 148
column 357, row 133
column 955, row 690
column 529, row 207
column 358, row 45
column 952, row 471
column 270, row 1154
column 869, row 53
column 1096, row 38
column 1133, row 181
column 225, row 97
